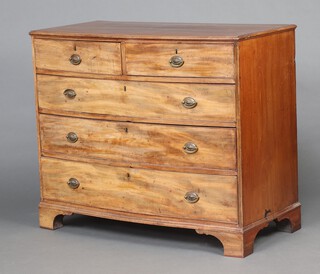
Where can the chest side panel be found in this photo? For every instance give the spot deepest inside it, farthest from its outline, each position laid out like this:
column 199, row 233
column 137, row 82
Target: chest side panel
column 268, row 124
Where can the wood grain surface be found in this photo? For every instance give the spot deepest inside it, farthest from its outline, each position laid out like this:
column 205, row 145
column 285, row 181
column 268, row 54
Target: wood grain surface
column 162, row 30
column 132, row 127
column 50, row 218
column 268, row 124
column 138, row 101
column 147, row 144
column 185, row 80
column 141, row 191
column 200, row 60
column 97, row 57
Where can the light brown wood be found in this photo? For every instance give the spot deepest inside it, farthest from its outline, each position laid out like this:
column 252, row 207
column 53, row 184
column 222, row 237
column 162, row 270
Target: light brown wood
column 185, row 169
column 200, row 60
column 97, row 57
column 141, row 191
column 36, row 100
column 149, row 145
column 236, row 244
column 241, row 243
column 201, row 225
column 289, row 220
column 161, row 30
column 50, row 218
column 140, row 218
column 144, row 119
column 138, row 101
column 131, row 126
column 268, row 125
column 193, row 80
column 238, row 137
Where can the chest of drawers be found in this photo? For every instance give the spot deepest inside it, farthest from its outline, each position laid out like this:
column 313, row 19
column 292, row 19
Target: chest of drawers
column 181, row 125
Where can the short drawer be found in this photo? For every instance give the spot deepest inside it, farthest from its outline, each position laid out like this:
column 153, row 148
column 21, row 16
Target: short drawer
column 173, row 103
column 78, row 56
column 180, row 60
column 137, row 144
column 142, row 191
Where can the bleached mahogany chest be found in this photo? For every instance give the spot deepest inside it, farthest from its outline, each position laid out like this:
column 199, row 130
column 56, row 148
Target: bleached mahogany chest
column 181, row 125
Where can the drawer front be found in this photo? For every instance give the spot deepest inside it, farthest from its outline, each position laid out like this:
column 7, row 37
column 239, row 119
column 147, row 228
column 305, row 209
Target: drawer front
column 95, row 57
column 141, row 191
column 138, row 101
column 198, row 60
column 139, row 144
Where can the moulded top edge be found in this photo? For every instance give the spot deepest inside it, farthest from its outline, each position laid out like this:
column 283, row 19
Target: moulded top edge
column 162, row 31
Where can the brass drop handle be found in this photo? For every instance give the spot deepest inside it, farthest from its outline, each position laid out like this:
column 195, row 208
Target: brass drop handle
column 191, row 197
column 73, row 183
column 70, row 93
column 72, row 137
column 189, row 102
column 190, row 148
column 176, row 61
column 75, row 59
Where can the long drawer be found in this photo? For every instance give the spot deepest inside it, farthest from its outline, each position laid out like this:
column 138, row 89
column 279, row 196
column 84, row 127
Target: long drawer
column 173, row 103
column 78, row 56
column 139, row 144
column 162, row 193
column 180, row 60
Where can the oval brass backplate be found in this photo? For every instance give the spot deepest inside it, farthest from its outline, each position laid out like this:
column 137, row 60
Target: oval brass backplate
column 190, row 148
column 191, row 197
column 73, row 183
column 176, row 61
column 75, row 59
column 189, row 102
column 72, row 137
column 70, row 93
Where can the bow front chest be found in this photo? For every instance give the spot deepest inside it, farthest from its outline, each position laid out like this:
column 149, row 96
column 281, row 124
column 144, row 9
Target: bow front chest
column 181, row 125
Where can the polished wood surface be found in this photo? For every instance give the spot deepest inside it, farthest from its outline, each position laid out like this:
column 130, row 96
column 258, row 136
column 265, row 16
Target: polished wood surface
column 140, row 144
column 240, row 243
column 141, row 190
column 50, row 218
column 132, row 127
column 36, row 103
column 97, row 57
column 126, row 100
column 154, row 31
column 237, row 241
column 268, row 125
column 200, row 60
column 193, row 80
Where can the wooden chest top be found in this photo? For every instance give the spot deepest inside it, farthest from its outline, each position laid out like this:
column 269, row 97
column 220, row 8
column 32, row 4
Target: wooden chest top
column 171, row 31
